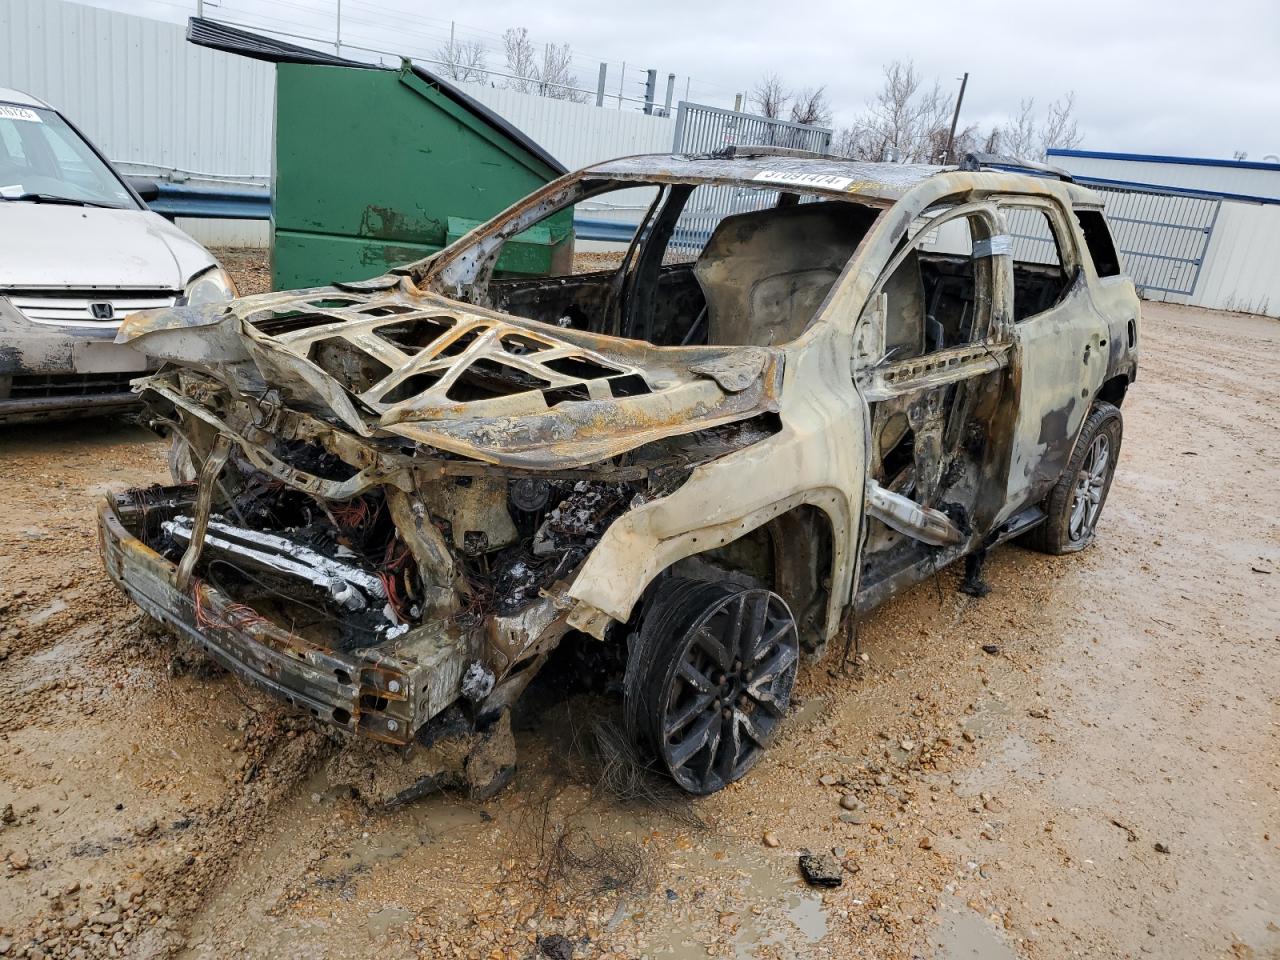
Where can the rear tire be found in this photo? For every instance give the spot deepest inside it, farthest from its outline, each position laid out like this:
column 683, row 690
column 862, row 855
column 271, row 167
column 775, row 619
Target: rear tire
column 1075, row 503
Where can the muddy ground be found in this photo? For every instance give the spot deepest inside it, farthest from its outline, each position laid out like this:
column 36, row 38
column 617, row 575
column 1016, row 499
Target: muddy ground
column 1084, row 763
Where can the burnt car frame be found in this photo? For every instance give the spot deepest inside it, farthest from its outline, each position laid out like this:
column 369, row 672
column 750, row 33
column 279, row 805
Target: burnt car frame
column 401, row 495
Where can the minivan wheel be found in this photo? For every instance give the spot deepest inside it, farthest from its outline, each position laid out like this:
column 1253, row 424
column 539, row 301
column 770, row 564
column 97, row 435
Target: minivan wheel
column 709, row 676
column 1076, row 501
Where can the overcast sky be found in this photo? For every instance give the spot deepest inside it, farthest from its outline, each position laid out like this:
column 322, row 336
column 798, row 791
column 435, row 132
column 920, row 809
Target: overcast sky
column 1150, row 76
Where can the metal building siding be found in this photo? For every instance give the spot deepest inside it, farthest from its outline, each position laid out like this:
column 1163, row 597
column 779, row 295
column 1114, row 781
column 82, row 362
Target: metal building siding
column 578, row 134
column 1257, row 180
column 1240, row 269
column 138, row 89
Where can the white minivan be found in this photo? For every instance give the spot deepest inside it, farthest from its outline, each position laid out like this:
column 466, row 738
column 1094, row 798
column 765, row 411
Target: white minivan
column 79, row 251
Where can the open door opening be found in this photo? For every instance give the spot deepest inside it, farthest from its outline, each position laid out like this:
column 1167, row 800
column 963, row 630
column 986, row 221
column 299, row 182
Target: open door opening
column 937, row 400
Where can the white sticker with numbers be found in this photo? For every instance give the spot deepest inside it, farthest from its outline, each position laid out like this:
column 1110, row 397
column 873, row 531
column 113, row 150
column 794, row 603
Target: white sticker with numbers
column 9, row 111
column 823, row 181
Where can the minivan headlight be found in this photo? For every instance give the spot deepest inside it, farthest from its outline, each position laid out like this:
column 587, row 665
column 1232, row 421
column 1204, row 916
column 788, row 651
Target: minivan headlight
column 212, row 286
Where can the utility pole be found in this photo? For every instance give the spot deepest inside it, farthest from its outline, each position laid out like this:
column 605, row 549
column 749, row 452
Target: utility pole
column 337, row 36
column 604, row 73
column 650, row 89
column 671, row 90
column 951, row 137
column 622, row 77
column 200, row 8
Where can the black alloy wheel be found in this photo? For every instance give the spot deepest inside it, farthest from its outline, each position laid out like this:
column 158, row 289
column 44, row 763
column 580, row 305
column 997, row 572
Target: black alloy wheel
column 709, row 676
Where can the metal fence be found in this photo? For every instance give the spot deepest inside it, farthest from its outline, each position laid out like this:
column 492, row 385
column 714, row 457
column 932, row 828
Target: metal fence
column 1033, row 240
column 704, row 129
column 1162, row 236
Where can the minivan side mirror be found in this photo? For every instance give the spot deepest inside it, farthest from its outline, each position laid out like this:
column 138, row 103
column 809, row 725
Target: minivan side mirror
column 146, row 188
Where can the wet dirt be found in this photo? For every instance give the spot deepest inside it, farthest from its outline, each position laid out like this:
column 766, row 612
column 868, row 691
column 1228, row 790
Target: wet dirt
column 1006, row 804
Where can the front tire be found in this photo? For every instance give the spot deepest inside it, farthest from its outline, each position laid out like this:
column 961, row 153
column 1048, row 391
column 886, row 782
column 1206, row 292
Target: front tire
column 1076, row 501
column 709, row 676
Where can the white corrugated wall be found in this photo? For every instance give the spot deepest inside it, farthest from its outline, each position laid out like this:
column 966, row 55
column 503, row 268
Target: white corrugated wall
column 1241, row 268
column 578, row 134
column 138, row 89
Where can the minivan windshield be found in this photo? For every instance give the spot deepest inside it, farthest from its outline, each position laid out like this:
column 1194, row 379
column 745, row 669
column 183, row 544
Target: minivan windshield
column 42, row 159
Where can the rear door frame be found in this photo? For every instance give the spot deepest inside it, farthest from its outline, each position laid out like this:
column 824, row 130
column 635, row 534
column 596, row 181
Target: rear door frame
column 1058, row 362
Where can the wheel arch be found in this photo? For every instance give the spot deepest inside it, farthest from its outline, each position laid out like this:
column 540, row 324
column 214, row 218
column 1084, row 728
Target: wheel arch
column 818, row 572
column 1113, row 390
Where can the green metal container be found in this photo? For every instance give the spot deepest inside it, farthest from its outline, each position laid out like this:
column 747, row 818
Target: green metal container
column 376, row 168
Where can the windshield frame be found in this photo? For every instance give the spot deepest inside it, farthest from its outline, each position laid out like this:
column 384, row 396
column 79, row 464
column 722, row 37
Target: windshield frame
column 134, row 202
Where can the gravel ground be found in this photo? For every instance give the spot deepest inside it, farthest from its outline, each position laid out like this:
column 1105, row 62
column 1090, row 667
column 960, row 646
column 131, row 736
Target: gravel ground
column 1084, row 763
column 248, row 266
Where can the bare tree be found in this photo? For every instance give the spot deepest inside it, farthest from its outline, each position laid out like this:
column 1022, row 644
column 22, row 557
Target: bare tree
column 904, row 122
column 769, row 97
column 1018, row 137
column 810, row 106
column 908, row 122
column 463, row 60
column 1059, row 128
column 1029, row 138
column 553, row 77
column 521, row 63
column 556, row 78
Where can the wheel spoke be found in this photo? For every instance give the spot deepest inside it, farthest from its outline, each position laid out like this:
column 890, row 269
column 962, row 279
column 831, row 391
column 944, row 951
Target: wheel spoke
column 695, row 707
column 767, row 700
column 747, row 724
column 713, row 749
column 679, row 753
column 1101, row 457
column 1077, row 516
column 695, row 678
column 771, row 640
column 714, row 648
column 753, row 629
column 730, row 746
column 782, row 658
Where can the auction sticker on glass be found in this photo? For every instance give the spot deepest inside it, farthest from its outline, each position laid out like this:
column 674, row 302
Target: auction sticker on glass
column 10, row 112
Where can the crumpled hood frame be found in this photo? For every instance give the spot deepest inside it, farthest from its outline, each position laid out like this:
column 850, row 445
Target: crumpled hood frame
column 384, row 359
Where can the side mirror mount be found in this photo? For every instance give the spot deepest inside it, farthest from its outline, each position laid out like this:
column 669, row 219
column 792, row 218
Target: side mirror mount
column 146, row 188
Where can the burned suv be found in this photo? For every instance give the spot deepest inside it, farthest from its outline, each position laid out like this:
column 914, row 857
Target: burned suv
column 805, row 384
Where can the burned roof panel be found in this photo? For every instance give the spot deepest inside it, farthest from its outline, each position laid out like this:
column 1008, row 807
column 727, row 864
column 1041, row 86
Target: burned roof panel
column 828, row 175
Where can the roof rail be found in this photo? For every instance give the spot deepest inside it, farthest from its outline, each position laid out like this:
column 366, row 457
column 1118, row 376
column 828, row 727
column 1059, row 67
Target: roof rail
column 974, row 162
column 738, row 151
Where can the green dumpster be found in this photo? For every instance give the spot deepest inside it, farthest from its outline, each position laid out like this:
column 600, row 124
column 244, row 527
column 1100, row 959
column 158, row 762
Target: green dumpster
column 376, row 167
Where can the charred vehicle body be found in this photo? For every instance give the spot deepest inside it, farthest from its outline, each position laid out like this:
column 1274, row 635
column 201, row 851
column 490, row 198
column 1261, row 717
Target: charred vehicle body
column 394, row 498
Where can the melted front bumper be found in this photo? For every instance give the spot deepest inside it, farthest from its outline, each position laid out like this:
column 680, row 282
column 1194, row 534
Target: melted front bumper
column 369, row 692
